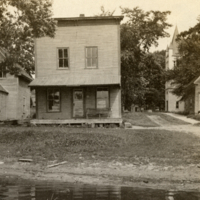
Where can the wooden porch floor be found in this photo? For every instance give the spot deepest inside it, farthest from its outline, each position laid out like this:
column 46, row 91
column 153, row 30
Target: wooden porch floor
column 77, row 121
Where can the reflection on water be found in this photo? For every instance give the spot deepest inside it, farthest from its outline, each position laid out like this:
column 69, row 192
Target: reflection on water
column 11, row 189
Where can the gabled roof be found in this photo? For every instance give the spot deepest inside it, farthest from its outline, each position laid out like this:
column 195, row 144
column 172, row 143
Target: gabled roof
column 22, row 73
column 197, row 79
column 189, row 87
column 75, row 81
column 3, row 90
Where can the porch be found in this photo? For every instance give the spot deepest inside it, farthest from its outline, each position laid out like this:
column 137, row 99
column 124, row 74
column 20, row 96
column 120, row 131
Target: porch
column 99, row 121
column 72, row 105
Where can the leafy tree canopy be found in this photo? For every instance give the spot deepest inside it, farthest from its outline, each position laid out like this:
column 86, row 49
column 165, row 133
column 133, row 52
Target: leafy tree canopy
column 139, row 68
column 20, row 22
column 143, row 29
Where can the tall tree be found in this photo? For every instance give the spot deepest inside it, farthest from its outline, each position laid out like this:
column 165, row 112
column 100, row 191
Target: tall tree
column 21, row 22
column 154, row 73
column 188, row 63
column 138, row 34
column 105, row 13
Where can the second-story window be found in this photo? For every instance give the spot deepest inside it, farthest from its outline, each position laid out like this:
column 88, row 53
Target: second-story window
column 177, row 104
column 63, row 58
column 91, row 57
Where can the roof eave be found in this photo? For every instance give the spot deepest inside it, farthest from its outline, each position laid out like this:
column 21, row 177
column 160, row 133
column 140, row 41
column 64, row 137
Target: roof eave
column 120, row 17
column 80, row 85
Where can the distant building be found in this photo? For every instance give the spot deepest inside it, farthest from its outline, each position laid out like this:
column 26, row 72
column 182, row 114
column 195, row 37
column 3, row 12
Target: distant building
column 173, row 103
column 192, row 100
column 14, row 94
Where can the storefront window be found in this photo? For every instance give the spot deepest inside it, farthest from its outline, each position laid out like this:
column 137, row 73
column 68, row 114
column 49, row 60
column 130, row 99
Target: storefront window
column 102, row 98
column 53, row 100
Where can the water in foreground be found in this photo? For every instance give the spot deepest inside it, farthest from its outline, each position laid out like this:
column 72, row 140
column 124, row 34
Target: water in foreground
column 16, row 189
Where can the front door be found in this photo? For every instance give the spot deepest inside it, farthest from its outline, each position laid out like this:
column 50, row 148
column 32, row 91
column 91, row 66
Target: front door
column 78, row 103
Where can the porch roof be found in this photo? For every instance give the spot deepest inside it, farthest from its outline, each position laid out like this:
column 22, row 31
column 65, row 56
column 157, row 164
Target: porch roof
column 76, row 81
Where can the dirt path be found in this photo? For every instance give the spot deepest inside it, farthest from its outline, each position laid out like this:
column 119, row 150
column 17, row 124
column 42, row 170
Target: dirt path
column 112, row 173
column 164, row 124
column 181, row 128
column 159, row 120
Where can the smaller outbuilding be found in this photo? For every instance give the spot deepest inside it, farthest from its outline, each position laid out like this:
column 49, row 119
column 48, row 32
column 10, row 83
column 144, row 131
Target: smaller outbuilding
column 14, row 94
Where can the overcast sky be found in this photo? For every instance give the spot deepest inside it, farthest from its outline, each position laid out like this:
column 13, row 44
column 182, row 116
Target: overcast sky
column 184, row 13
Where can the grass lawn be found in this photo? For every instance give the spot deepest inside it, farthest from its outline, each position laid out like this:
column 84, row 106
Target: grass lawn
column 60, row 143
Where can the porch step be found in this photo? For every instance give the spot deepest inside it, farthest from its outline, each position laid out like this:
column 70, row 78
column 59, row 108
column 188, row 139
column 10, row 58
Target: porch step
column 77, row 121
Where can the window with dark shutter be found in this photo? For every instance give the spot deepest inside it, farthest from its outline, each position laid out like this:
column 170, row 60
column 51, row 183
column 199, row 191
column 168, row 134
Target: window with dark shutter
column 63, row 58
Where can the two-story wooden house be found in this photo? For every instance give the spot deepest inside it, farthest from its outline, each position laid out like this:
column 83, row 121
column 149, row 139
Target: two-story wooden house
column 78, row 72
column 14, row 94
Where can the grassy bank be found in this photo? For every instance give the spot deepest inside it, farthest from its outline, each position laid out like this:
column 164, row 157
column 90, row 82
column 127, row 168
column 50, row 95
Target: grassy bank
column 73, row 144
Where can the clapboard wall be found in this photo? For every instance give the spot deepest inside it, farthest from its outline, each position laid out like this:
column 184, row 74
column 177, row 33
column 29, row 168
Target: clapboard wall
column 66, row 107
column 11, row 86
column 105, row 36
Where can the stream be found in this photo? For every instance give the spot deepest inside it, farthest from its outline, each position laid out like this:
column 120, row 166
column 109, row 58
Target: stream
column 14, row 188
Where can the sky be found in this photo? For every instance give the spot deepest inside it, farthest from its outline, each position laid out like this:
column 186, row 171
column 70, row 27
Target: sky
column 184, row 13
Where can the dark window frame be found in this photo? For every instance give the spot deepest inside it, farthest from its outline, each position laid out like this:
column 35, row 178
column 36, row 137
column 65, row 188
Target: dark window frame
column 63, row 58
column 104, row 88
column 48, row 100
column 177, row 104
column 91, row 57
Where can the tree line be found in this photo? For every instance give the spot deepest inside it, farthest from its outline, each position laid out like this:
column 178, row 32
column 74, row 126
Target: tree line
column 187, row 67
column 143, row 73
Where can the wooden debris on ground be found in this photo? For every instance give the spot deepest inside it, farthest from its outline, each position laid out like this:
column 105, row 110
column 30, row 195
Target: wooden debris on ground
column 56, row 164
column 25, row 160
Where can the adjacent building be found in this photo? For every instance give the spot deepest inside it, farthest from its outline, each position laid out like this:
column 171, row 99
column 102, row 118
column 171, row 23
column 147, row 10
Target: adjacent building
column 192, row 100
column 78, row 76
column 173, row 103
column 14, row 94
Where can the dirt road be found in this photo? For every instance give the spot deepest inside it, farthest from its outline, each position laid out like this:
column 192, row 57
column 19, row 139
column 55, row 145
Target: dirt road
column 192, row 126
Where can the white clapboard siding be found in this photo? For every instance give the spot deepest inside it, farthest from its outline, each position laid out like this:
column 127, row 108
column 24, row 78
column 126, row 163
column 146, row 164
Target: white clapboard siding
column 11, row 86
column 76, row 38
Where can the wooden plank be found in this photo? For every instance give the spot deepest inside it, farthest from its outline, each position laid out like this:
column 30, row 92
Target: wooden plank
column 25, row 160
column 57, row 164
column 77, row 121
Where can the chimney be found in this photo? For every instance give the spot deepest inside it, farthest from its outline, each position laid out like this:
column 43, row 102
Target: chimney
column 82, row 15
